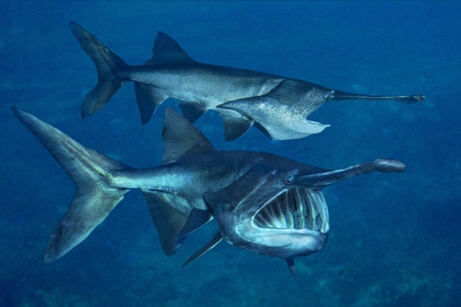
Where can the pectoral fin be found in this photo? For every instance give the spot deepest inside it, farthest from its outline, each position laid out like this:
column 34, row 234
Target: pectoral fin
column 196, row 219
column 235, row 127
column 205, row 248
column 291, row 265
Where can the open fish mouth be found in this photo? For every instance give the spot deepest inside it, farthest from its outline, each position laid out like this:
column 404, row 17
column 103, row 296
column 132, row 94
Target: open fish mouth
column 297, row 208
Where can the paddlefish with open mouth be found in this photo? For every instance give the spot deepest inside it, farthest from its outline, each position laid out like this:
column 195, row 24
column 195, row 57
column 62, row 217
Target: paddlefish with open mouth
column 263, row 203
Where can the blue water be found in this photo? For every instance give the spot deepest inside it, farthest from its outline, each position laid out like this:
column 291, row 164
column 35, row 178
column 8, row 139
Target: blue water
column 395, row 238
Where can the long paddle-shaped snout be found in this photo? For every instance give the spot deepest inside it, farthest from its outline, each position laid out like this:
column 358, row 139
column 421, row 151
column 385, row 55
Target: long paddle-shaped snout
column 340, row 95
column 320, row 180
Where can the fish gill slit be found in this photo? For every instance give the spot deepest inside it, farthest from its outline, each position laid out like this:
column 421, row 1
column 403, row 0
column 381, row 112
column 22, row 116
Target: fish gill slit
column 292, row 209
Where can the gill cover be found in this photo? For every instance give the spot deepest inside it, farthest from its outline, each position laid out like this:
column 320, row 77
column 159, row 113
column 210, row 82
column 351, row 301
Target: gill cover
column 281, row 114
column 263, row 213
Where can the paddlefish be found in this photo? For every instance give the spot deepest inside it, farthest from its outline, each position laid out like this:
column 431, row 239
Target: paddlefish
column 277, row 106
column 267, row 204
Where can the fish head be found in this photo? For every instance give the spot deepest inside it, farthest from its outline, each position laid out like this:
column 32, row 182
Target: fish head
column 266, row 213
column 278, row 209
column 281, row 113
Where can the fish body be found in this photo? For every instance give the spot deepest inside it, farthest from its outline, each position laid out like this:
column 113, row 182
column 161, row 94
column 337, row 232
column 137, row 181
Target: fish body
column 278, row 106
column 264, row 203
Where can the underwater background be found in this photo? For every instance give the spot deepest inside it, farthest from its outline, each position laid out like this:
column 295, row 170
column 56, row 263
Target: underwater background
column 394, row 239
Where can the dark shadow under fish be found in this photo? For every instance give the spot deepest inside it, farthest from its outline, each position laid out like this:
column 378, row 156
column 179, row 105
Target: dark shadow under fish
column 264, row 203
column 278, row 106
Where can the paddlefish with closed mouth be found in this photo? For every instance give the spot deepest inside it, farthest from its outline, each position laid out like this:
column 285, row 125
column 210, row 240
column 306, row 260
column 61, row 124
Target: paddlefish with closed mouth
column 276, row 105
column 263, row 203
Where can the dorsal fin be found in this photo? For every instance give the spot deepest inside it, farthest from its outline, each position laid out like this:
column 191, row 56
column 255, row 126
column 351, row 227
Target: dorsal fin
column 182, row 138
column 167, row 50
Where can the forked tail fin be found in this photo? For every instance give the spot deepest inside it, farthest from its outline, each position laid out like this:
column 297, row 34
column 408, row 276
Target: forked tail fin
column 107, row 64
column 92, row 174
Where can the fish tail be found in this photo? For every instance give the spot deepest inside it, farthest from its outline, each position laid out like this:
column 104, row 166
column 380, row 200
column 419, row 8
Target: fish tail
column 107, row 64
column 93, row 174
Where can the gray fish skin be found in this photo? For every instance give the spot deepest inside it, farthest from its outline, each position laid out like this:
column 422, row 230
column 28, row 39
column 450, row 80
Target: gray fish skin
column 264, row 203
column 277, row 105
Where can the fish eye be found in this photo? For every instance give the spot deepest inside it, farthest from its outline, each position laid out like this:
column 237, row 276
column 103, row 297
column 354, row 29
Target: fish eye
column 289, row 180
column 329, row 95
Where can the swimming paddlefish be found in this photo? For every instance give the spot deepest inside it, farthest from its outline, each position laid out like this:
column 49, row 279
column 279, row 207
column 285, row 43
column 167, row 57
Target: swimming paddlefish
column 264, row 203
column 276, row 105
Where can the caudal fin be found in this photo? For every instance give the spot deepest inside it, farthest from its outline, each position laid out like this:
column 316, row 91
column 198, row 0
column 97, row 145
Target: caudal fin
column 107, row 64
column 92, row 174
